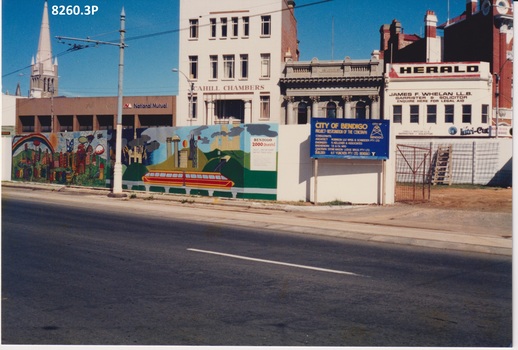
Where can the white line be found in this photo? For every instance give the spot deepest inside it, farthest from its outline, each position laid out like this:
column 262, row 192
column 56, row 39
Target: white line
column 275, row 262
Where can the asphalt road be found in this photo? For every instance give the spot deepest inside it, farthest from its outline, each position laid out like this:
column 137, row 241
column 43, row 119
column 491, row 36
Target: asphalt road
column 90, row 272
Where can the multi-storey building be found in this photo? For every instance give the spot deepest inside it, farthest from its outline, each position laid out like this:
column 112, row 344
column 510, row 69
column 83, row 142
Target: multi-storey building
column 482, row 33
column 230, row 59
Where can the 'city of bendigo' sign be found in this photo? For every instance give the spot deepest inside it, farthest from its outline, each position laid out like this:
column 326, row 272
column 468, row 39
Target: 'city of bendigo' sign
column 349, row 138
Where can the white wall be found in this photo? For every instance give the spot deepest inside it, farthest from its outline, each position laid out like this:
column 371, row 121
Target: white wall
column 8, row 123
column 355, row 181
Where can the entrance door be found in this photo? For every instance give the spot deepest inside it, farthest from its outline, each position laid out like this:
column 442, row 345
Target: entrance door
column 226, row 109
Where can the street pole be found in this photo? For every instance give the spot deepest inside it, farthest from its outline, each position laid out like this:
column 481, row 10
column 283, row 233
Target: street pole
column 117, row 170
column 191, row 93
column 497, row 93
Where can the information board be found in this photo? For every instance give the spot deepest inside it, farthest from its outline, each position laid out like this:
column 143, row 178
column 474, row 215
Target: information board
column 349, row 138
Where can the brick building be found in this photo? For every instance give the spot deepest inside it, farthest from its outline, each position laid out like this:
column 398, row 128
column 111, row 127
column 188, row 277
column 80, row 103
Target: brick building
column 482, row 33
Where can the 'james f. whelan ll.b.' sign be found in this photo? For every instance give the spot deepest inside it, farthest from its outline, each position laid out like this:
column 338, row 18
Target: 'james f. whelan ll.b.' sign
column 349, row 138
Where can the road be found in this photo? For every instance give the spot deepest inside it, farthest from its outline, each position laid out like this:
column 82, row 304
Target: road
column 84, row 270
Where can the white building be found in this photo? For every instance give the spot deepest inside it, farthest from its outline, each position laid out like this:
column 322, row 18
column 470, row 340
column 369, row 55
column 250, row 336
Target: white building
column 231, row 59
column 439, row 99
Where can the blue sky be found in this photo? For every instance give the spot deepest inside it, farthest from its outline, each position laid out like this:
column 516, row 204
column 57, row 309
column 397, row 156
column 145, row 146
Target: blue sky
column 148, row 61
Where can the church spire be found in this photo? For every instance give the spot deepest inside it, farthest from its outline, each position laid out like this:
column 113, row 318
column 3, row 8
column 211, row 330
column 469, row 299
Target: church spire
column 44, row 75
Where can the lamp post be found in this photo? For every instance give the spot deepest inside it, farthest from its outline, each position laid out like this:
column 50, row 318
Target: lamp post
column 191, row 93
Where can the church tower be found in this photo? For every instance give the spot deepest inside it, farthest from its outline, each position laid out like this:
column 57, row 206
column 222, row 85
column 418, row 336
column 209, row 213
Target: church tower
column 44, row 72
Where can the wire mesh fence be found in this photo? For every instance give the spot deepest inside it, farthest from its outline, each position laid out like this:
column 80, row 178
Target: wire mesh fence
column 413, row 166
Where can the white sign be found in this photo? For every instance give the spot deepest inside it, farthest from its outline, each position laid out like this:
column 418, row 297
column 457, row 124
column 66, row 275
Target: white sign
column 263, row 153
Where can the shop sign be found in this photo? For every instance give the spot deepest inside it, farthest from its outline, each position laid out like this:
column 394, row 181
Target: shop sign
column 145, row 105
column 349, row 138
column 458, row 70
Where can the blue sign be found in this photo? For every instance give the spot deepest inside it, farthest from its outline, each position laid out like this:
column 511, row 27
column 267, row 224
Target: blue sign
column 349, row 138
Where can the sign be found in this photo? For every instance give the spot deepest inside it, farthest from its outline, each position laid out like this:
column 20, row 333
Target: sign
column 349, row 138
column 8, row 130
column 435, row 70
column 263, row 153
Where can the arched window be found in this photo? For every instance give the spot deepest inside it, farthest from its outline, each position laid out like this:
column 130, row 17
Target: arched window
column 302, row 113
column 331, row 110
column 361, row 111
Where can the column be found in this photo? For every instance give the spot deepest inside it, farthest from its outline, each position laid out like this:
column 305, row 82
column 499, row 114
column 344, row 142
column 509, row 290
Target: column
column 289, row 111
column 210, row 112
column 248, row 111
column 375, row 109
column 314, row 108
column 347, row 107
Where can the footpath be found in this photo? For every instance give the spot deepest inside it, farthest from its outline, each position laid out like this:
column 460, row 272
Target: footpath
column 403, row 224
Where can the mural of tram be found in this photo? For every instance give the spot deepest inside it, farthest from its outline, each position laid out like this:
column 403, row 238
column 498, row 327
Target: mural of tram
column 196, row 179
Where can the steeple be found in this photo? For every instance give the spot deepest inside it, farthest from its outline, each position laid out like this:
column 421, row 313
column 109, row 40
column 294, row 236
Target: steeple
column 44, row 72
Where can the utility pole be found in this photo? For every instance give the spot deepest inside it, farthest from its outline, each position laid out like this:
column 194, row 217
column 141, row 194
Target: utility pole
column 117, row 171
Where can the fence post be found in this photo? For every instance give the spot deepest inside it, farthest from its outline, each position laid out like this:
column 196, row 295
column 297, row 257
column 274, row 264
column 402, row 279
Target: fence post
column 473, row 162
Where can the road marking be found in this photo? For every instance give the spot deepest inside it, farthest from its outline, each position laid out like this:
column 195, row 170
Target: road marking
column 275, row 262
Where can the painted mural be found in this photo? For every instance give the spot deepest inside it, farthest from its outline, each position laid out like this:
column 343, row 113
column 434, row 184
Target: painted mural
column 69, row 158
column 228, row 160
column 237, row 161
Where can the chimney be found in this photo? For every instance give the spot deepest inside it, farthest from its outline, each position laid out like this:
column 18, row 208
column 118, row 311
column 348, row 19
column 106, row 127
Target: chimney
column 471, row 7
column 430, row 24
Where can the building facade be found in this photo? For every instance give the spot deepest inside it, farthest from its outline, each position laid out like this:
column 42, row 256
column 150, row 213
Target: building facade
column 439, row 99
column 482, row 33
column 61, row 114
column 332, row 89
column 230, row 60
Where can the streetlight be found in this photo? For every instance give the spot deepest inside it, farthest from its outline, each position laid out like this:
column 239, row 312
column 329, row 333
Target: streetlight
column 191, row 93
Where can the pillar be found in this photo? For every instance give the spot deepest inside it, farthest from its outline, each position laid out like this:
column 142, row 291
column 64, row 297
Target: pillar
column 314, row 108
column 248, row 111
column 375, row 109
column 290, row 112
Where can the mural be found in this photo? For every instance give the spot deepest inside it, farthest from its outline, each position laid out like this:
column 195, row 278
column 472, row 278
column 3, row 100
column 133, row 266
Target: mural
column 227, row 160
column 238, row 161
column 71, row 158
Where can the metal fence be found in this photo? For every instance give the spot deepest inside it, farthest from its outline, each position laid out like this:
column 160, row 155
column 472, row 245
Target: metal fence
column 413, row 166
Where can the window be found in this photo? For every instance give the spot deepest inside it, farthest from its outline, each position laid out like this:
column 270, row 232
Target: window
column 46, row 124
column 193, row 28
column 414, row 114
column 86, row 122
column 105, row 122
column 214, row 67
column 431, row 114
column 331, row 110
column 246, row 26
column 213, row 28
column 466, row 114
column 397, row 114
column 235, row 27
column 228, row 66
column 27, row 124
column 265, row 107
column 66, row 123
column 449, row 113
column 265, row 25
column 223, row 27
column 244, row 66
column 193, row 67
column 485, row 114
column 193, row 107
column 302, row 113
column 265, row 65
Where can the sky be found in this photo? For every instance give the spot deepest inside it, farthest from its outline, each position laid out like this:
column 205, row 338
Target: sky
column 152, row 39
